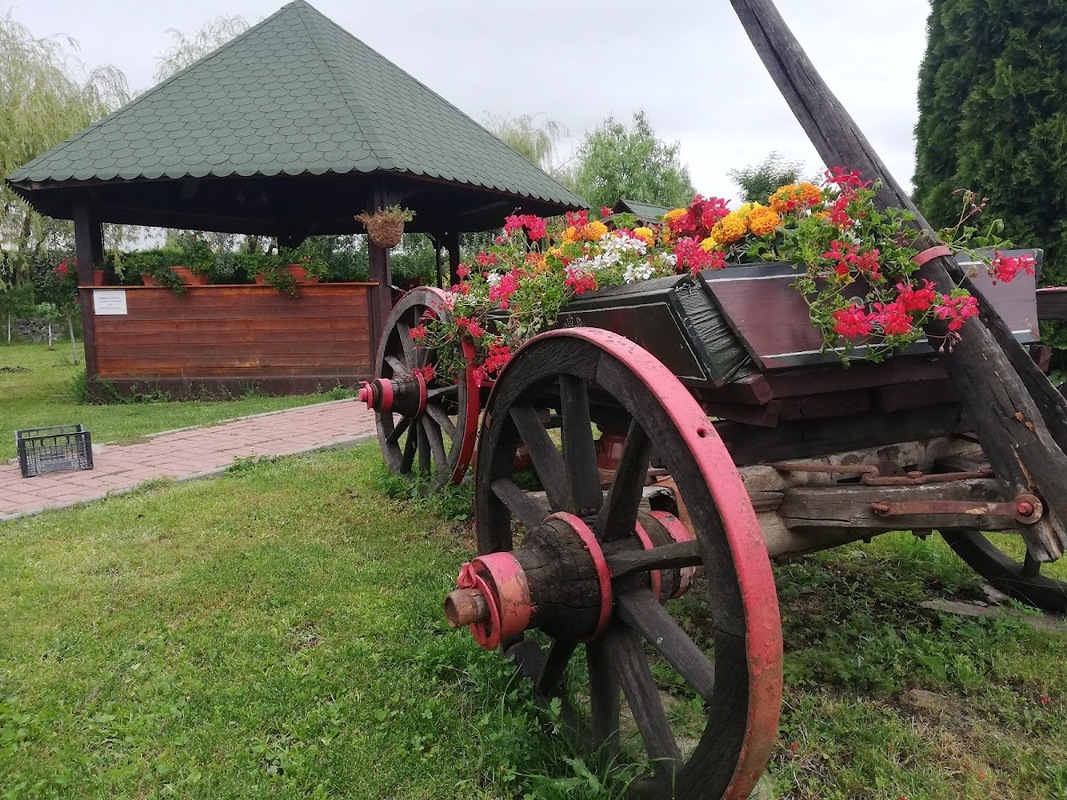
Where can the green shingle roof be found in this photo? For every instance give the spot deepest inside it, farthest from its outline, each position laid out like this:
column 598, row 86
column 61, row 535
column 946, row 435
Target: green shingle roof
column 643, row 211
column 294, row 95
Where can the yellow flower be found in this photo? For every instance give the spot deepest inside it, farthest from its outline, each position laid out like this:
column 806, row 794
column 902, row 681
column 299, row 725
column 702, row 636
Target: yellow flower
column 570, row 235
column 709, row 244
column 792, row 196
column 763, row 220
column 673, row 214
column 645, row 235
column 729, row 229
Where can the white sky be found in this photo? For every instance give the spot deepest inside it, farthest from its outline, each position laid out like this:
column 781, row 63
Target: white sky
column 689, row 65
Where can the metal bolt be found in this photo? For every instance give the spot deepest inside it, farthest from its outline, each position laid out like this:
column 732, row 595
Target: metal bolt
column 1025, row 509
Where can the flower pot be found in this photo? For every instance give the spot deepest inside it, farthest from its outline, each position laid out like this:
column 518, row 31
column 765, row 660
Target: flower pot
column 298, row 272
column 148, row 280
column 261, row 279
column 98, row 277
column 190, row 278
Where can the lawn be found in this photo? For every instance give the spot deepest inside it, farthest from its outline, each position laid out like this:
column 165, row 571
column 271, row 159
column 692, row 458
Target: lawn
column 37, row 388
column 277, row 632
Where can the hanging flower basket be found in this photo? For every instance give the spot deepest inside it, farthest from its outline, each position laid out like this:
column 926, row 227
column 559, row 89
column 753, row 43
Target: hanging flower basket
column 385, row 227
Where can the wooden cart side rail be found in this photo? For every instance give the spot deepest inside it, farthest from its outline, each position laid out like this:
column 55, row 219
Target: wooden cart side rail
column 1052, row 304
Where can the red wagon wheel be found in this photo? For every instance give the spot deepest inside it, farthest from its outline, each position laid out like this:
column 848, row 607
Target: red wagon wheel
column 425, row 425
column 1020, row 579
column 593, row 568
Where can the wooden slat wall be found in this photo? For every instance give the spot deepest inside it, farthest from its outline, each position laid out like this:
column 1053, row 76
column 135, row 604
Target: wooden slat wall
column 247, row 333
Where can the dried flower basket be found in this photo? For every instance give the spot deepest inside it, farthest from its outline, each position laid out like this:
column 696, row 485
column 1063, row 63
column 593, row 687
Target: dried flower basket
column 386, row 227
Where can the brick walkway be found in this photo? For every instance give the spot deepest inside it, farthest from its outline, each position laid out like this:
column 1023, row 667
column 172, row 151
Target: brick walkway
column 186, row 454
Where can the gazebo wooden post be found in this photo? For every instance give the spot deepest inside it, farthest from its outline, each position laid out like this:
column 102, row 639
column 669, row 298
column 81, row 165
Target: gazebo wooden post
column 89, row 249
column 381, row 272
column 451, row 242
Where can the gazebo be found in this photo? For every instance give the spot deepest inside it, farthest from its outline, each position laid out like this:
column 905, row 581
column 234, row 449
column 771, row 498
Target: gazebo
column 288, row 131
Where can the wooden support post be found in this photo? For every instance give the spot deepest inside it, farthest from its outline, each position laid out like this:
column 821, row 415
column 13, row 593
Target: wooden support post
column 451, row 241
column 89, row 249
column 382, row 295
column 1020, row 419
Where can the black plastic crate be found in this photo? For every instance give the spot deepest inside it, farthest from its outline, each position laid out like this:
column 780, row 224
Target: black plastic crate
column 53, row 449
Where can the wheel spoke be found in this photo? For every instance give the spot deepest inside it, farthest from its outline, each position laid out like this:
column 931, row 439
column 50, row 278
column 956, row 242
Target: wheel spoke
column 400, row 369
column 547, row 460
column 437, row 444
column 409, row 453
column 438, row 415
column 579, row 449
column 642, row 612
column 604, row 697
column 424, row 449
column 403, row 332
column 401, row 426
column 667, row 556
column 619, row 512
column 643, row 698
column 521, row 504
column 1031, row 566
column 450, row 389
column 559, row 655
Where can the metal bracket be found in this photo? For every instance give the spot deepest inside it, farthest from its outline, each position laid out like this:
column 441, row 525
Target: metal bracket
column 1025, row 508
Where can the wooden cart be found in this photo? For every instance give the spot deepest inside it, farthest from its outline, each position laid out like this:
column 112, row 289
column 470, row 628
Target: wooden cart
column 680, row 433
column 637, row 468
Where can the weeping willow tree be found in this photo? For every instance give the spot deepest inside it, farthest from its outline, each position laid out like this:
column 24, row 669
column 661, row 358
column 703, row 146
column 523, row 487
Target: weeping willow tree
column 42, row 102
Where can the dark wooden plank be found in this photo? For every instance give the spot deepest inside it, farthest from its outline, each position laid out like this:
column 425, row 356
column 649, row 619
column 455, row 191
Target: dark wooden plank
column 915, row 395
column 765, row 416
column 829, row 404
column 1004, row 393
column 642, row 612
column 1052, row 303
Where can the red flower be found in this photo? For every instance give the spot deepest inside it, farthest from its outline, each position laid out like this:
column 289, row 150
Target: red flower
column 505, row 288
column 957, row 310
column 605, row 212
column 463, row 270
column 852, row 322
column 471, row 326
column 580, row 282
column 893, row 319
column 689, row 254
column 1005, row 268
column 418, row 333
column 912, row 299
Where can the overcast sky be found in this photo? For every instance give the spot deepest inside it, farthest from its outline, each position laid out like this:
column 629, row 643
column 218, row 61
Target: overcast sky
column 689, row 65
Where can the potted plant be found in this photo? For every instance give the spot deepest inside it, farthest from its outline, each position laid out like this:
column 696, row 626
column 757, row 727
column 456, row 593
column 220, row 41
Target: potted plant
column 385, row 227
column 194, row 257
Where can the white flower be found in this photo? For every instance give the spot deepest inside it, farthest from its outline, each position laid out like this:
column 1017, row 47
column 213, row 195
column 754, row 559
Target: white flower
column 493, row 278
column 638, row 272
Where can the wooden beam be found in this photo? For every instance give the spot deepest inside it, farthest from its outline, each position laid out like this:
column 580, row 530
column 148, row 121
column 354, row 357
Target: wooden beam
column 89, row 249
column 1002, row 390
column 451, row 242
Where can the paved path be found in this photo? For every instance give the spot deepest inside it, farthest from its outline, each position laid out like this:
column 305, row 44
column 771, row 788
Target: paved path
column 187, row 453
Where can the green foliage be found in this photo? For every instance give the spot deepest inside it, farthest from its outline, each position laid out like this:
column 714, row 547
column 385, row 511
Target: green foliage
column 41, row 104
column 758, row 182
column 186, row 49
column 532, row 138
column 616, row 161
column 993, row 118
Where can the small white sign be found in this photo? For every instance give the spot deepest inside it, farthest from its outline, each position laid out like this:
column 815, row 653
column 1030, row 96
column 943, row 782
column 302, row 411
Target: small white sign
column 109, row 302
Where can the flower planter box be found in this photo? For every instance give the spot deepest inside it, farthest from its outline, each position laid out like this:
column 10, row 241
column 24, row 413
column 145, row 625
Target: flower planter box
column 186, row 275
column 736, row 322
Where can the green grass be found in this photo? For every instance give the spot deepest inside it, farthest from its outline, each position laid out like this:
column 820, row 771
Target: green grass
column 277, row 632
column 37, row 387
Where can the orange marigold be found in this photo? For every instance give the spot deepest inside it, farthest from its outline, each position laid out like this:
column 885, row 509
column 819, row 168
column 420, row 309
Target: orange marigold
column 763, row 220
column 674, row 213
column 594, row 230
column 793, row 196
column 729, row 229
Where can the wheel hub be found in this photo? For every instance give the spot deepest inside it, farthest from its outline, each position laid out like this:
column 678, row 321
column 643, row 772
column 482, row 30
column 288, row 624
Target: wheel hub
column 406, row 396
column 558, row 581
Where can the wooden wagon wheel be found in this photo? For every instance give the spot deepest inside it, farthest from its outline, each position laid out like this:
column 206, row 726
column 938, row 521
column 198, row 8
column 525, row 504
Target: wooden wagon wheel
column 1020, row 579
column 424, row 426
column 594, row 567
